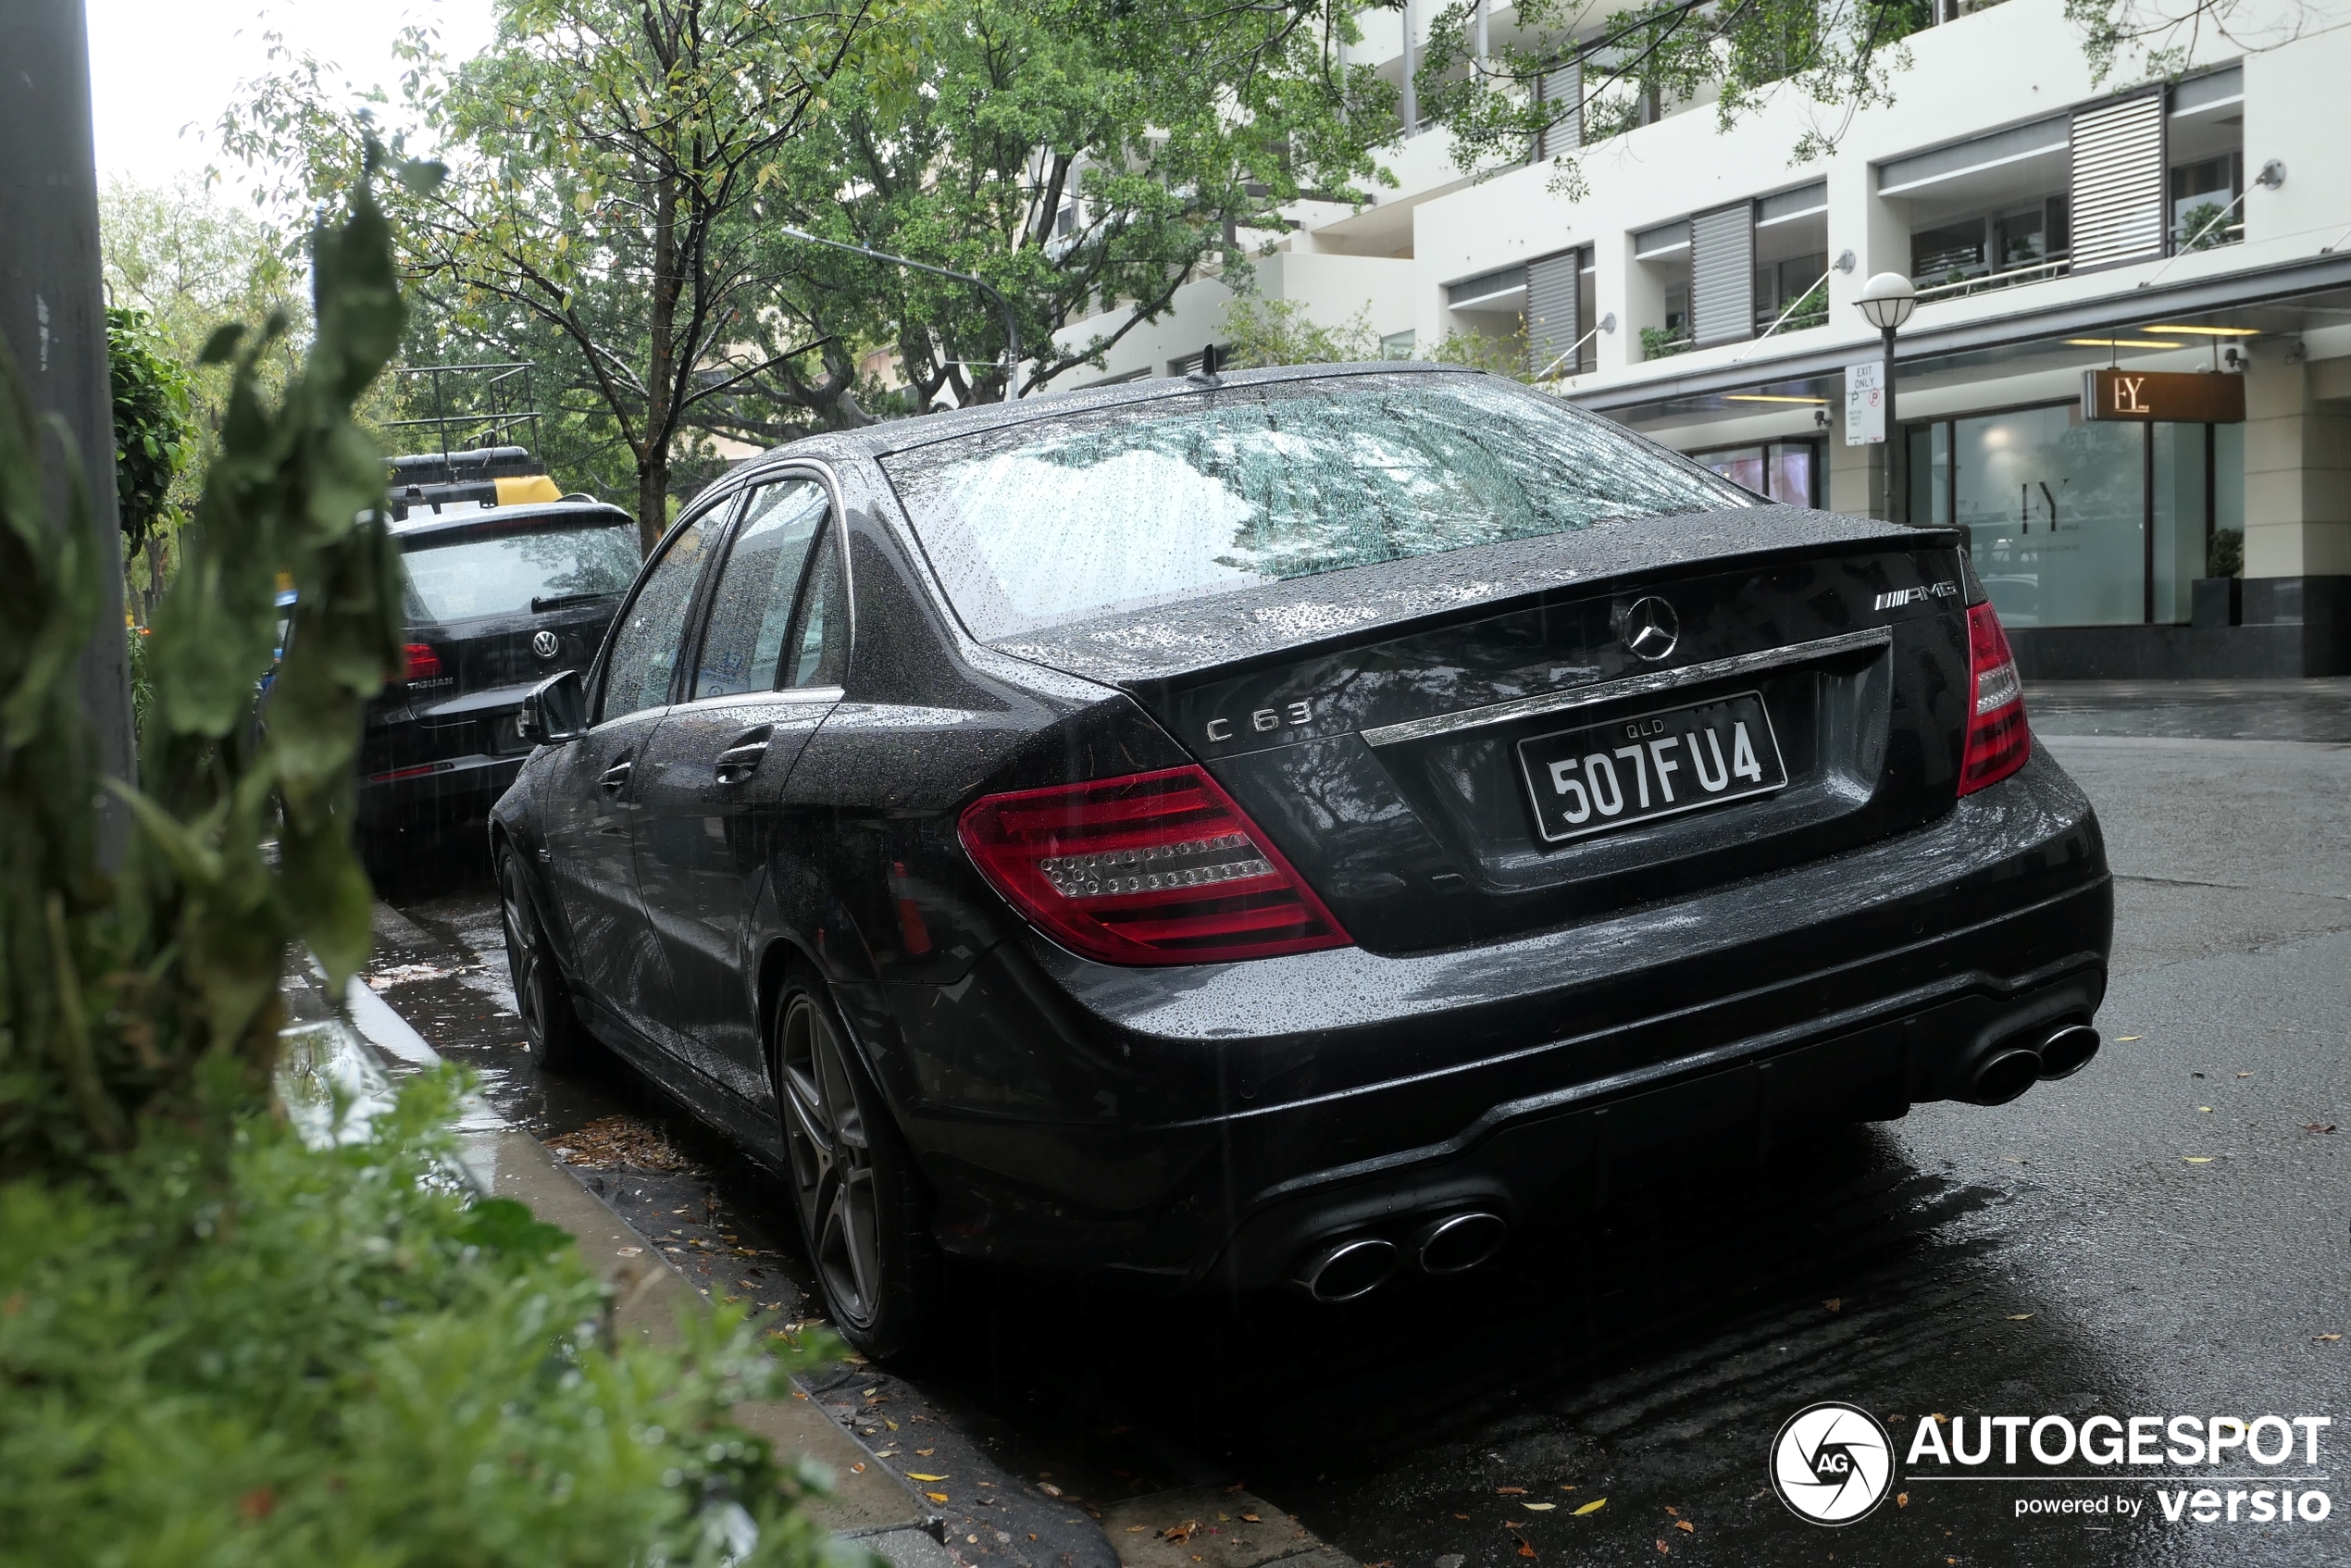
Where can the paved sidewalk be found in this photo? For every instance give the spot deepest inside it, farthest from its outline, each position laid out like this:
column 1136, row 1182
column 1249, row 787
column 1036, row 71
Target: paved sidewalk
column 326, row 1054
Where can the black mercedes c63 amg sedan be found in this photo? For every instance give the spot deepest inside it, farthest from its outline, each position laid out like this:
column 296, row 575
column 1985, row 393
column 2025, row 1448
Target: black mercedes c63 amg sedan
column 1287, row 827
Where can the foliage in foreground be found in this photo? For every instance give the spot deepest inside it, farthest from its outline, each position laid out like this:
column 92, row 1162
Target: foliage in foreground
column 331, row 1358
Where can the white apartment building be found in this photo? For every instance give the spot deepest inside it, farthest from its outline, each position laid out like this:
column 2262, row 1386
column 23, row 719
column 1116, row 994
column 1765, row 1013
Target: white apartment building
column 1702, row 293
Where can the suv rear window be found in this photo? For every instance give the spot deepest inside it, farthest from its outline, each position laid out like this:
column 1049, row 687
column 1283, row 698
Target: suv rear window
column 509, row 574
column 1149, row 504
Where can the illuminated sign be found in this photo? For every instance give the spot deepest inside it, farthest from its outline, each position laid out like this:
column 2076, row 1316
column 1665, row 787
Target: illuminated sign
column 2196, row 397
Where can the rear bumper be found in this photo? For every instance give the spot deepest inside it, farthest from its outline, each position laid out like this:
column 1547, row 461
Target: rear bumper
column 446, row 790
column 1189, row 1123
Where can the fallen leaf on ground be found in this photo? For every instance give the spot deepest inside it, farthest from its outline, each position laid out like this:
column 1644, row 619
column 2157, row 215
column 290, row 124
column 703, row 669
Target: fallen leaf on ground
column 1592, row 1507
column 620, row 1140
column 1251, row 1519
column 1672, row 1511
column 859, row 1467
column 1540, row 1507
column 2124, row 1039
column 1182, row 1532
column 631, row 1252
column 1509, row 1491
column 2244, row 1075
column 2020, row 1317
column 1525, row 1547
column 2197, row 1158
column 1045, row 1486
column 2326, row 1338
column 918, row 1475
column 1685, row 1524
column 2313, row 1126
column 2204, row 1107
column 936, row 1497
column 1901, row 1499
column 1664, row 1550
column 1136, row 1529
column 1835, row 1303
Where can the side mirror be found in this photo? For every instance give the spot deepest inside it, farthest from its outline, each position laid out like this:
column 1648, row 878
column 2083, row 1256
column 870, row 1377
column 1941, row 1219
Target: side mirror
column 554, row 711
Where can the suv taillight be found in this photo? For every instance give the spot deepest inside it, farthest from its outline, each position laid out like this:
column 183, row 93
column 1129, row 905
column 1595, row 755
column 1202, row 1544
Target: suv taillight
column 419, row 662
column 1998, row 738
column 1148, row 869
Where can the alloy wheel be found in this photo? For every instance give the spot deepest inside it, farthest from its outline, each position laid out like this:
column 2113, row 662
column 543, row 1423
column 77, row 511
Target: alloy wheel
column 525, row 966
column 832, row 1161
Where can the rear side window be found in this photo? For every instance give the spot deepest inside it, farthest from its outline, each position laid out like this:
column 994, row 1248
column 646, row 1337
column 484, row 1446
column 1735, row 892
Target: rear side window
column 644, row 646
column 1145, row 505
column 517, row 573
column 750, row 612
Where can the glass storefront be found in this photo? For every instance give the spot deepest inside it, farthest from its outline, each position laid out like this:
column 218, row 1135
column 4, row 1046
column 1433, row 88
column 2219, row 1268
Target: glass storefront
column 1786, row 471
column 2078, row 523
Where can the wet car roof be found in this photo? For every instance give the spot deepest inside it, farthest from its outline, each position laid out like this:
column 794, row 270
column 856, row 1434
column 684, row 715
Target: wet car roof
column 902, row 435
column 461, row 519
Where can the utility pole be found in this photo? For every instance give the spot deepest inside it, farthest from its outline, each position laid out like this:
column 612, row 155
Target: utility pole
column 53, row 319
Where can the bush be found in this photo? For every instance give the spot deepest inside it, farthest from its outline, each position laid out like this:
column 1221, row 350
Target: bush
column 332, row 1357
column 2224, row 556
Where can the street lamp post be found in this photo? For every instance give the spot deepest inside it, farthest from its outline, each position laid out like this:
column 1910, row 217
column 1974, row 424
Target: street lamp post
column 1887, row 302
column 1011, row 323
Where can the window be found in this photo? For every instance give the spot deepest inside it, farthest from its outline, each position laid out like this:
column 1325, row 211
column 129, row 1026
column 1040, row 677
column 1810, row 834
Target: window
column 644, row 647
column 1397, row 345
column 820, row 635
column 2020, row 236
column 2204, row 202
column 516, row 571
column 2075, row 523
column 1784, row 471
column 1080, row 514
column 750, row 612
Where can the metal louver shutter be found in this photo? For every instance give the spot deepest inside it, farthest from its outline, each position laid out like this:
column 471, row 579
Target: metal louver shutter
column 1722, row 274
column 1563, row 85
column 1551, row 326
column 2118, row 181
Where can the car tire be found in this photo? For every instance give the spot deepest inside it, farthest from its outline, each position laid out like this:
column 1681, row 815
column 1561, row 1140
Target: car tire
column 864, row 1212
column 551, row 1029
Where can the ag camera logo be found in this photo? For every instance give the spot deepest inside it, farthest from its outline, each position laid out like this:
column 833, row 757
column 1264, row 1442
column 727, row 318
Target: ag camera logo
column 1832, row 1464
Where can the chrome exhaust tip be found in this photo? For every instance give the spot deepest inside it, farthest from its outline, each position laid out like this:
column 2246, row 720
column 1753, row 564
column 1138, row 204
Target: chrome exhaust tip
column 1346, row 1269
column 2004, row 1075
column 2069, row 1051
column 1457, row 1243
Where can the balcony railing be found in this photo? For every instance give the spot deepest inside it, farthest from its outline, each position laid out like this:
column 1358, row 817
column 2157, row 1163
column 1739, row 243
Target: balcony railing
column 1959, row 288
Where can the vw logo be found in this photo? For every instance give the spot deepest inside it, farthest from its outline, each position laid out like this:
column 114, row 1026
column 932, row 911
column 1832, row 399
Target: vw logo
column 1651, row 628
column 546, row 644
column 1832, row 1464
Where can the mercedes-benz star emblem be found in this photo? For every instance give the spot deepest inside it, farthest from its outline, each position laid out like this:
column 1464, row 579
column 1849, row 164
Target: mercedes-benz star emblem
column 546, row 644
column 1652, row 629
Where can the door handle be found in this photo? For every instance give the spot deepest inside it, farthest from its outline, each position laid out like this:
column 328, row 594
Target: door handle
column 742, row 760
column 615, row 778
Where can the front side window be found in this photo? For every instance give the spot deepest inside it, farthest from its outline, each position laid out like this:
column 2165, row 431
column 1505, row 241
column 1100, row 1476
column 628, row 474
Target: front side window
column 522, row 571
column 751, row 611
column 1144, row 504
column 644, row 646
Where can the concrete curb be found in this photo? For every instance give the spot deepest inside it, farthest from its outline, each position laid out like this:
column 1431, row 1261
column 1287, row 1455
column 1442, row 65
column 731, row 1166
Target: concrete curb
column 356, row 1050
column 1217, row 1527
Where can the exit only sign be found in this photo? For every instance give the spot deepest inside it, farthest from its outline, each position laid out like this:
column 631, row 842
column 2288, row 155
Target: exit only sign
column 2191, row 397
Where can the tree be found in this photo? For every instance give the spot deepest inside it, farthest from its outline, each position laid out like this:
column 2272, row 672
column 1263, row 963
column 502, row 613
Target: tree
column 602, row 157
column 1078, row 157
column 152, row 427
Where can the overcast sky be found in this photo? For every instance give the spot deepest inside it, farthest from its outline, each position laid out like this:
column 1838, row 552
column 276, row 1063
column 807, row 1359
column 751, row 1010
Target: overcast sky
column 162, row 70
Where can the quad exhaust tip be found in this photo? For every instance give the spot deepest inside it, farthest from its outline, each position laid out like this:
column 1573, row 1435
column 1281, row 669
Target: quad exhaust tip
column 1346, row 1269
column 2004, row 1075
column 2069, row 1051
column 1457, row 1243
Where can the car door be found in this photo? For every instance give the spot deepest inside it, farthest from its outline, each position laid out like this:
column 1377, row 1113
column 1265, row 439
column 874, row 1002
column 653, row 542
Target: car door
column 593, row 797
column 766, row 671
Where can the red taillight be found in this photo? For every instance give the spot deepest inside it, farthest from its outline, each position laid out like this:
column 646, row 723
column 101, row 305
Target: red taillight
column 419, row 662
column 1150, row 868
column 1998, row 738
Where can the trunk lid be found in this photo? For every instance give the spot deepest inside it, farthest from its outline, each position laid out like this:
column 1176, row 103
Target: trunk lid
column 1394, row 726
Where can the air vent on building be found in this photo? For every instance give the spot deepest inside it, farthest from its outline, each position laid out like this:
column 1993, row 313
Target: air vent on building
column 1551, row 326
column 1722, row 274
column 2118, row 181
column 1562, row 85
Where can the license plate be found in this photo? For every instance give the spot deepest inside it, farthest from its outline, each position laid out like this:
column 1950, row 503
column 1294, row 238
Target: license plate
column 1628, row 770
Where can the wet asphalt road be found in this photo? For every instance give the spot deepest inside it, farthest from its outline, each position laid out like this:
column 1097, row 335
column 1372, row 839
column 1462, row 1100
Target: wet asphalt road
column 2163, row 1235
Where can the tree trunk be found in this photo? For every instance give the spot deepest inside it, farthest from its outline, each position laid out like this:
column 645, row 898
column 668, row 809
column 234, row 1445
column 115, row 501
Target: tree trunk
column 661, row 373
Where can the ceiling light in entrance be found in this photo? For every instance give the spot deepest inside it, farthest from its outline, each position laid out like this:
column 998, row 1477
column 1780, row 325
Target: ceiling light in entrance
column 1769, row 397
column 2121, row 342
column 2211, row 331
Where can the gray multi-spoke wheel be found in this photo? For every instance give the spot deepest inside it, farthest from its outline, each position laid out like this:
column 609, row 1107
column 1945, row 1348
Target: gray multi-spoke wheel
column 861, row 1212
column 550, row 1028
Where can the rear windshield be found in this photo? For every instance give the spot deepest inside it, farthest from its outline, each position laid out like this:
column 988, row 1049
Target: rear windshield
column 509, row 574
column 1152, row 504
